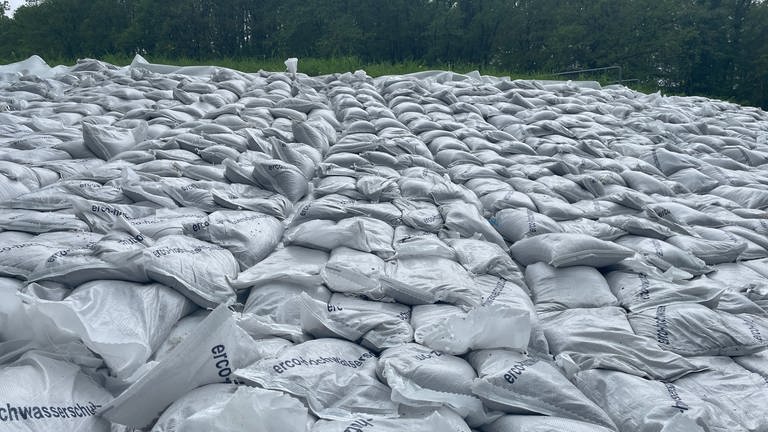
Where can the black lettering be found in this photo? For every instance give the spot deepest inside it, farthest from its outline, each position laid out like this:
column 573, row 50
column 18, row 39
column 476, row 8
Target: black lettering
column 25, row 412
column 37, row 412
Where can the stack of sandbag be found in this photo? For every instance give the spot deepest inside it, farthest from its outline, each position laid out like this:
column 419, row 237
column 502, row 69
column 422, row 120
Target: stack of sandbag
column 205, row 249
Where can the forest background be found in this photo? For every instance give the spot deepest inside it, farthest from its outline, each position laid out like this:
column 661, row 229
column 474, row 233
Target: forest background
column 716, row 48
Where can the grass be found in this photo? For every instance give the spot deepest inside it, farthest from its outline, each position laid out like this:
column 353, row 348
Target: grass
column 323, row 66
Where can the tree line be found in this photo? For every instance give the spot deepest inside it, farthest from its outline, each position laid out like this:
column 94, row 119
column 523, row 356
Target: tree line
column 717, row 48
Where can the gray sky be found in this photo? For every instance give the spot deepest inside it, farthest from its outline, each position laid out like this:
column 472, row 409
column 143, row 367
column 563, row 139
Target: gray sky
column 15, row 4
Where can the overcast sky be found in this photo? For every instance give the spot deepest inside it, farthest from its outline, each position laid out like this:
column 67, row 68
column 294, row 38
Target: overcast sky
column 15, row 4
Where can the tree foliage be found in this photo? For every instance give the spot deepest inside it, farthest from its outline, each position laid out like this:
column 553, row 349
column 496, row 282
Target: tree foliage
column 713, row 47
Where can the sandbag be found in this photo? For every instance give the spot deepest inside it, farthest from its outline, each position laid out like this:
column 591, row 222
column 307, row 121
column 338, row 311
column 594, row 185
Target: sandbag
column 426, row 279
column 147, row 313
column 467, row 220
column 592, row 228
column 710, row 251
column 736, row 391
column 281, row 177
column 450, row 329
column 421, row 377
column 375, row 325
column 638, row 226
column 517, row 224
column 564, row 250
column 692, row 329
column 641, row 405
column 664, row 255
column 538, row 423
column 556, row 289
column 41, row 393
column 292, row 264
column 481, row 257
column 208, row 355
column 361, row 233
column 107, row 141
column 228, row 408
column 436, row 421
column 354, row 272
column 638, row 291
column 199, row 270
column 518, row 384
column 336, row 378
column 604, row 339
column 250, row 236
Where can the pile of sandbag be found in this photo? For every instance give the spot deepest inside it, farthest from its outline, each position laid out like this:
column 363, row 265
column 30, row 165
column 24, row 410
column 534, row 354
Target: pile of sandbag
column 204, row 249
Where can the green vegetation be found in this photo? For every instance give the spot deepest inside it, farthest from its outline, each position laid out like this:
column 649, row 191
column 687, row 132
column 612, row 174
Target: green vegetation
column 717, row 48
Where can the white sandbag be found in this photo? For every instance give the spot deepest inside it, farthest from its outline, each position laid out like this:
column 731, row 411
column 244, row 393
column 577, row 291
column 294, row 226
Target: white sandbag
column 420, row 215
column 692, row 329
column 738, row 277
column 165, row 222
column 228, row 408
column 360, row 233
column 250, row 236
column 645, row 183
column 538, row 423
column 41, row 393
column 496, row 201
column 336, row 378
column 592, row 228
column 481, row 257
column 637, row 291
column 101, row 217
column 710, row 251
column 681, row 214
column 246, row 197
column 641, row 405
column 147, row 313
column 454, row 331
column 280, row 177
column 275, row 308
column 427, row 279
column 664, row 255
column 291, row 264
column 494, row 290
column 668, row 162
column 518, row 384
column 13, row 319
column 375, row 188
column 376, row 325
column 747, row 196
column 467, row 220
column 21, row 259
column 517, row 224
column 32, row 221
column 209, row 355
column 564, row 250
column 694, row 180
column 354, row 272
column 106, row 141
column 113, row 256
column 603, row 338
column 556, row 208
column 199, row 270
column 756, row 363
column 638, row 226
column 421, row 377
column 737, row 392
column 556, row 289
column 436, row 421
